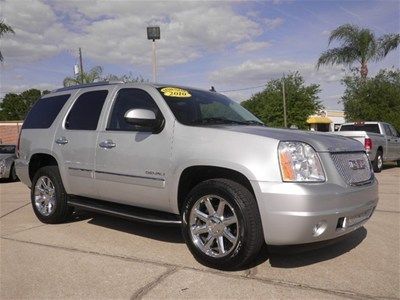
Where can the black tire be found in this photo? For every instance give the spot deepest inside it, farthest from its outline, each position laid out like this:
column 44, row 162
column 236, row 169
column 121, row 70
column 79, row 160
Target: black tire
column 398, row 163
column 250, row 236
column 377, row 166
column 13, row 174
column 61, row 211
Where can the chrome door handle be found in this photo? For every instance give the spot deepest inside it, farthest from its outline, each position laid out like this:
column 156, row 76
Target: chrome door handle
column 108, row 144
column 62, row 141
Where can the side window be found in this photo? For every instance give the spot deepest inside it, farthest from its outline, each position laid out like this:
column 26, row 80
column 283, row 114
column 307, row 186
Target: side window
column 44, row 112
column 128, row 99
column 394, row 131
column 86, row 111
column 387, row 130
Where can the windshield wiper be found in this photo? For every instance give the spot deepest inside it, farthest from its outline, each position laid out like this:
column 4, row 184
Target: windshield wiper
column 253, row 122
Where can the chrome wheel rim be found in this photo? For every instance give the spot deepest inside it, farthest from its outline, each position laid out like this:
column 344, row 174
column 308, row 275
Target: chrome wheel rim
column 380, row 162
column 214, row 226
column 44, row 196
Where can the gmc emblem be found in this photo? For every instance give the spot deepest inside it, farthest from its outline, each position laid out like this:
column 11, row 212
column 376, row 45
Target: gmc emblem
column 357, row 164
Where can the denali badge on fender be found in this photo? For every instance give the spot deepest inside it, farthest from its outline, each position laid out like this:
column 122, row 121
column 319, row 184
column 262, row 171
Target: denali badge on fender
column 357, row 164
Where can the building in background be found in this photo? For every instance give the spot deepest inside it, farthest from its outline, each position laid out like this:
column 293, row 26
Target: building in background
column 326, row 120
column 9, row 132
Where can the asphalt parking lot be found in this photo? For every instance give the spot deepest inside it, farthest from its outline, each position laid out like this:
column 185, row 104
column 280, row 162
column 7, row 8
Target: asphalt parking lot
column 95, row 256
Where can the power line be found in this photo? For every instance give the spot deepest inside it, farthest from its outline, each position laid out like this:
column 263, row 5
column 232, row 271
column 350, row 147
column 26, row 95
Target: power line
column 243, row 89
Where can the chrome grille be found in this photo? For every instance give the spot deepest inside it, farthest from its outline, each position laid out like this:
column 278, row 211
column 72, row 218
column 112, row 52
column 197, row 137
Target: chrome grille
column 350, row 167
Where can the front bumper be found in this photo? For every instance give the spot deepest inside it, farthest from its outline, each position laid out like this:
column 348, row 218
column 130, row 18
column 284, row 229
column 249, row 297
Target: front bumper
column 293, row 213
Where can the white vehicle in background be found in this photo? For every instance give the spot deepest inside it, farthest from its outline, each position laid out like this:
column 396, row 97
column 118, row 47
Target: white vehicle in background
column 381, row 141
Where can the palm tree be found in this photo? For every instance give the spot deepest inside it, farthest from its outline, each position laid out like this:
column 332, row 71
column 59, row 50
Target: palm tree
column 87, row 77
column 357, row 45
column 4, row 28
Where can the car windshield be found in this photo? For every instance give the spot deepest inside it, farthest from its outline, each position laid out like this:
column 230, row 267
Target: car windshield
column 195, row 107
column 374, row 128
column 7, row 149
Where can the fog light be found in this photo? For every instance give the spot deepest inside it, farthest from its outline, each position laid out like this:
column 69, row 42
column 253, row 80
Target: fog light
column 319, row 228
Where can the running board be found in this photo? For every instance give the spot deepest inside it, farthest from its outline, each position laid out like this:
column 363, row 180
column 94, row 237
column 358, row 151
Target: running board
column 125, row 211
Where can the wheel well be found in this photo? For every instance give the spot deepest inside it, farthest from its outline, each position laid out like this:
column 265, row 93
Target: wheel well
column 40, row 160
column 192, row 176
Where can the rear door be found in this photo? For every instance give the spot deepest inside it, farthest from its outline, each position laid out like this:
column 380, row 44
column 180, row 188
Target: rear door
column 391, row 141
column 75, row 140
column 396, row 143
column 134, row 166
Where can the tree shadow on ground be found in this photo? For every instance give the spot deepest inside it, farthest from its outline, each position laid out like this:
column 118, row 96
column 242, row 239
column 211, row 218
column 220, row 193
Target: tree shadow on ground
column 304, row 255
column 279, row 257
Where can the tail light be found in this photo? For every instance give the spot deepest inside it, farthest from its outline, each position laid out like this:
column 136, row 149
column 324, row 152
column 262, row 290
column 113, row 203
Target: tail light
column 18, row 143
column 368, row 144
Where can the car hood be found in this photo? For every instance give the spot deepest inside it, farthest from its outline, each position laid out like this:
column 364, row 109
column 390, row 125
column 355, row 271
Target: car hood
column 321, row 142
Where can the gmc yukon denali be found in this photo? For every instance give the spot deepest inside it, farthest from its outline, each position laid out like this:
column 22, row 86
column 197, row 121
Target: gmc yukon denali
column 179, row 155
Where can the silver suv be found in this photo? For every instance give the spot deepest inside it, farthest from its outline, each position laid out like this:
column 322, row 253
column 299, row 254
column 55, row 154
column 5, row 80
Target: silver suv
column 177, row 155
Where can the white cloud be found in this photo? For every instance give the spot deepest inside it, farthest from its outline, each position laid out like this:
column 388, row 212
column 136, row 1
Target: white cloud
column 256, row 72
column 252, row 46
column 18, row 88
column 273, row 23
column 115, row 31
column 37, row 34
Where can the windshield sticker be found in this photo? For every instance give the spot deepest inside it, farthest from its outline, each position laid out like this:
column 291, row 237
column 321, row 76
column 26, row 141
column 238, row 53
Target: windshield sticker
column 175, row 92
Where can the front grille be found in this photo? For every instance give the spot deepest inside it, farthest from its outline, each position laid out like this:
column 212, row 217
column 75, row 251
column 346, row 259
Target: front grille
column 354, row 167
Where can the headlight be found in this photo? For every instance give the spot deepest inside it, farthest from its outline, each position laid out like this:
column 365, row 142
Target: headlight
column 299, row 163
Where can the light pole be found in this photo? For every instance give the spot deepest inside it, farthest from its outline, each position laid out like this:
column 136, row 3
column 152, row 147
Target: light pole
column 284, row 102
column 153, row 33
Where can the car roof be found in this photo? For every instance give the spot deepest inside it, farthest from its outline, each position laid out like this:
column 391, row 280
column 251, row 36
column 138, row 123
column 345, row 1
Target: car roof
column 122, row 83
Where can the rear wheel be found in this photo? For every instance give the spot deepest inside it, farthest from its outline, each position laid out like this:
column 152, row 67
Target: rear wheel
column 48, row 196
column 222, row 225
column 377, row 164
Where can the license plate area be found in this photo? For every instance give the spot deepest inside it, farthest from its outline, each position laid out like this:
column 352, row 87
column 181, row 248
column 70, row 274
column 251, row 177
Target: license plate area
column 347, row 222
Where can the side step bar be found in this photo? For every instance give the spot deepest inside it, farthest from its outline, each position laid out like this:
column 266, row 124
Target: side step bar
column 125, row 211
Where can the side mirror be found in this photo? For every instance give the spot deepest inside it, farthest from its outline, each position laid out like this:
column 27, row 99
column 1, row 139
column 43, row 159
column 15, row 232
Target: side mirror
column 142, row 117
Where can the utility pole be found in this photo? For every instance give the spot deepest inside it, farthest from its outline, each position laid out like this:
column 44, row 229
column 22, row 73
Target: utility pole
column 154, row 62
column 153, row 33
column 80, row 65
column 284, row 102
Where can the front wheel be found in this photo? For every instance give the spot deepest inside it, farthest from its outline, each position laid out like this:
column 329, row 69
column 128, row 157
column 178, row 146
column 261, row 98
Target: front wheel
column 222, row 225
column 48, row 196
column 377, row 164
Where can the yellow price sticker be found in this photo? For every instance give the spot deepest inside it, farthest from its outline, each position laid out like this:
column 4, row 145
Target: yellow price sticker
column 175, row 92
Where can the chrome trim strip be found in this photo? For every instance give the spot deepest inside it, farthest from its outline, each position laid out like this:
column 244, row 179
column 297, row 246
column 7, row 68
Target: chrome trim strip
column 133, row 176
column 130, row 179
column 80, row 172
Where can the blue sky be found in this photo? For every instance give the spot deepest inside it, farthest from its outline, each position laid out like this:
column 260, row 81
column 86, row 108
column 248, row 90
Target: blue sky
column 230, row 45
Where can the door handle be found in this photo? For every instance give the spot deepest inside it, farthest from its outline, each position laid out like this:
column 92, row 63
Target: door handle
column 108, row 144
column 62, row 140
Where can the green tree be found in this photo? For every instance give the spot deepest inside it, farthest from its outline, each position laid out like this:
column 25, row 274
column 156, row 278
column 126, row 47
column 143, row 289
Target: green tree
column 301, row 101
column 125, row 78
column 4, row 28
column 357, row 45
column 373, row 99
column 92, row 75
column 14, row 107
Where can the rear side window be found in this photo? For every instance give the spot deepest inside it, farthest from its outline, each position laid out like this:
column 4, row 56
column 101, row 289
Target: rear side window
column 44, row 112
column 86, row 111
column 374, row 128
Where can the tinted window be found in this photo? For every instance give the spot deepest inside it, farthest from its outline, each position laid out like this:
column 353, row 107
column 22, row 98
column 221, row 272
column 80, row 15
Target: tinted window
column 128, row 99
column 196, row 107
column 44, row 112
column 86, row 111
column 361, row 127
column 7, row 149
column 394, row 131
column 387, row 129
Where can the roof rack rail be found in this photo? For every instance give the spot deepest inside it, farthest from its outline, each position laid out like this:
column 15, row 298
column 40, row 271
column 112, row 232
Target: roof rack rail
column 79, row 86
